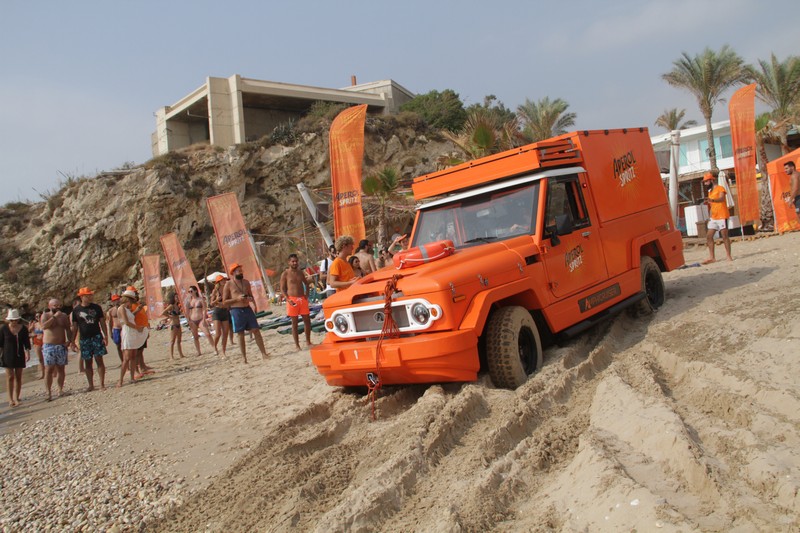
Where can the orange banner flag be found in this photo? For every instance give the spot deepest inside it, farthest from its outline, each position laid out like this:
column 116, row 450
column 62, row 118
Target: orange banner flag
column 743, row 133
column 151, row 264
column 234, row 243
column 347, row 154
column 785, row 216
column 179, row 267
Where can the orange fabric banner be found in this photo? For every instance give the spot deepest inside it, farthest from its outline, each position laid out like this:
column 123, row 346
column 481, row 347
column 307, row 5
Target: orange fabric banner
column 234, row 244
column 785, row 215
column 743, row 133
column 151, row 264
column 179, row 267
column 347, row 154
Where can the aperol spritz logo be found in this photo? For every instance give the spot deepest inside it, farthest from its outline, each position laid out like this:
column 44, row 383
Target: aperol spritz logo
column 625, row 169
column 574, row 258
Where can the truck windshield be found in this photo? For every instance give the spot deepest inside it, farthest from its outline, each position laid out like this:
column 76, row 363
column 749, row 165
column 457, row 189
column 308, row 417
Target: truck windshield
column 493, row 216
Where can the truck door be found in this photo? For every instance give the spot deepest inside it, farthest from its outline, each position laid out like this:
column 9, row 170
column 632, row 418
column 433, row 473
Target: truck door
column 577, row 261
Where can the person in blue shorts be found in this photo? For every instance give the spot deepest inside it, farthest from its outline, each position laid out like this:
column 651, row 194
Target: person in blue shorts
column 238, row 296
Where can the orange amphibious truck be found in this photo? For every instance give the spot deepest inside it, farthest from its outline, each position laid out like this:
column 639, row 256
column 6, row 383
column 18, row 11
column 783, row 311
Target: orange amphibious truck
column 533, row 243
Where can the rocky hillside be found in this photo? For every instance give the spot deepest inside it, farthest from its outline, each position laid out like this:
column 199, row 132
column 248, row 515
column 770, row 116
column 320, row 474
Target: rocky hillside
column 94, row 230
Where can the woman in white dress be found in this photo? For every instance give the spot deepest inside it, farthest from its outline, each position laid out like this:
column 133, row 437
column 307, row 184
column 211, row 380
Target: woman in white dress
column 133, row 336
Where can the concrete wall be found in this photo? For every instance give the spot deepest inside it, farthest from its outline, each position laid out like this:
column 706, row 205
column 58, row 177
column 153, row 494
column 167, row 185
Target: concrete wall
column 259, row 122
column 225, row 119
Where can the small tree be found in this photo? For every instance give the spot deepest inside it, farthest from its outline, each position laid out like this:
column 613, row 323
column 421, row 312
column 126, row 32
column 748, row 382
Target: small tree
column 670, row 120
column 384, row 187
column 545, row 118
column 778, row 86
column 484, row 133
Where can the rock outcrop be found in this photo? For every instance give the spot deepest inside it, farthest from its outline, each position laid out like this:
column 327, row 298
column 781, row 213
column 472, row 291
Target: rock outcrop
column 93, row 231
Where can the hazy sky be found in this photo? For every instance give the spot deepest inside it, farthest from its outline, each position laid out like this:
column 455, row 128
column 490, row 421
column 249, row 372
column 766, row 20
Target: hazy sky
column 80, row 81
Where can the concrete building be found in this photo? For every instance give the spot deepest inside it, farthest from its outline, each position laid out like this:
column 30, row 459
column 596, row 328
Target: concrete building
column 227, row 111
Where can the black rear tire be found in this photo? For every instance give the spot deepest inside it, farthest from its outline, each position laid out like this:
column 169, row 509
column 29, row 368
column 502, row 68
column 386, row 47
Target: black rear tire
column 513, row 347
column 652, row 287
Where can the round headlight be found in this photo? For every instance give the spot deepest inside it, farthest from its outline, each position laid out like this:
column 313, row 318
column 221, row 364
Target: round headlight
column 420, row 313
column 341, row 324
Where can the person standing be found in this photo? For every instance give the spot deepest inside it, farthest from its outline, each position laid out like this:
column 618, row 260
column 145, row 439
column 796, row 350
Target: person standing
column 220, row 314
column 113, row 321
column 56, row 338
column 89, row 320
column 341, row 275
column 196, row 314
column 16, row 353
column 35, row 333
column 364, row 253
column 173, row 314
column 133, row 336
column 141, row 319
column 718, row 202
column 237, row 295
column 355, row 264
column 794, row 183
column 324, row 267
column 294, row 288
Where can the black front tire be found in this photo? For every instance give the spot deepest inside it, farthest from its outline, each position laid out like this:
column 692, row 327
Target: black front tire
column 513, row 347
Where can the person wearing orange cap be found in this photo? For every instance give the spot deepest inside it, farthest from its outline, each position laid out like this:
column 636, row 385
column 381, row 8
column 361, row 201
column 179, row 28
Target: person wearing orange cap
column 717, row 201
column 220, row 314
column 238, row 295
column 88, row 319
column 112, row 319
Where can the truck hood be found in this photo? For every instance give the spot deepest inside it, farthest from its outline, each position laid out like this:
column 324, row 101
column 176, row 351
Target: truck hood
column 491, row 261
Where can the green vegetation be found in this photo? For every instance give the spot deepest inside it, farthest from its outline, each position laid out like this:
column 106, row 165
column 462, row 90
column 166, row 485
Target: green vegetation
column 778, row 86
column 440, row 110
column 283, row 134
column 544, row 118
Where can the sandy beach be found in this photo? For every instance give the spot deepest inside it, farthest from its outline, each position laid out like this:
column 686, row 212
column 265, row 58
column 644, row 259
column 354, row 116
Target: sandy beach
column 685, row 421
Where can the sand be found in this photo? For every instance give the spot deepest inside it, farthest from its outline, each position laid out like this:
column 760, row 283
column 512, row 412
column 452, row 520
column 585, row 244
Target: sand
column 683, row 421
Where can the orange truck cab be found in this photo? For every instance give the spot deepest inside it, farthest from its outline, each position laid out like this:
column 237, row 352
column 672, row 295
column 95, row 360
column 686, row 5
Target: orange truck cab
column 540, row 241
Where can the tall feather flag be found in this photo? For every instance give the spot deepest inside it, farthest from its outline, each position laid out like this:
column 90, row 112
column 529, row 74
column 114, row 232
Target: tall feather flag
column 743, row 133
column 347, row 154
column 785, row 216
column 234, row 243
column 179, row 267
column 151, row 264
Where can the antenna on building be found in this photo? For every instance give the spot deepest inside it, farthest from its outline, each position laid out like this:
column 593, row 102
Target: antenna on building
column 353, row 79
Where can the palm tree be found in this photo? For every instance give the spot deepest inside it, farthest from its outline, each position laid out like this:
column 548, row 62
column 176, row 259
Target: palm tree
column 670, row 120
column 779, row 87
column 484, row 133
column 384, row 186
column 766, row 132
column 707, row 76
column 544, row 119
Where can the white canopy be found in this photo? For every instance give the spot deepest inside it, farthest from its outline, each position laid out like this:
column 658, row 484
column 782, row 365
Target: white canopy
column 169, row 282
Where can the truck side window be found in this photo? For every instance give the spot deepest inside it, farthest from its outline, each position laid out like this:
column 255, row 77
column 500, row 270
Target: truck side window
column 564, row 197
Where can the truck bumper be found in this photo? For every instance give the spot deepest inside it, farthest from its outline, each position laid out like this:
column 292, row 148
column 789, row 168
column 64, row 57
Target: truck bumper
column 425, row 358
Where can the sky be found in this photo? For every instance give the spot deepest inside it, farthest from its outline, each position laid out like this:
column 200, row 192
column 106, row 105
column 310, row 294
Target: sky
column 80, row 81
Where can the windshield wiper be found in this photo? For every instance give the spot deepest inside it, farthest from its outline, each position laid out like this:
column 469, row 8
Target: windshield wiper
column 481, row 239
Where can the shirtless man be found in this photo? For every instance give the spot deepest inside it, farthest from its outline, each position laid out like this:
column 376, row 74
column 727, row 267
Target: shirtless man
column 116, row 327
column 56, row 338
column 794, row 184
column 364, row 254
column 237, row 295
column 295, row 289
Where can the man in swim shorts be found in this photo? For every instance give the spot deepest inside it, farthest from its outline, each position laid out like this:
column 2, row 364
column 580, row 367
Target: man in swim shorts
column 88, row 319
column 55, row 339
column 113, row 320
column 295, row 289
column 238, row 295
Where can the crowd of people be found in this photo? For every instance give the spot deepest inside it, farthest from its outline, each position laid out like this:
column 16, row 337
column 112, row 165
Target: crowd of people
column 87, row 330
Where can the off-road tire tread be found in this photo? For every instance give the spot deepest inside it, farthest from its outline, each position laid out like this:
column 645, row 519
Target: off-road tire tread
column 502, row 350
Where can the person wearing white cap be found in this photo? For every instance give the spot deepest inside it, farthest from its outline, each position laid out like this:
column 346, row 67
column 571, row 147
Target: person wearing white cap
column 133, row 336
column 16, row 352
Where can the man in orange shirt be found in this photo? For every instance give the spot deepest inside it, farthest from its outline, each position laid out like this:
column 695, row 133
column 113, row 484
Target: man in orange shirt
column 717, row 201
column 340, row 274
